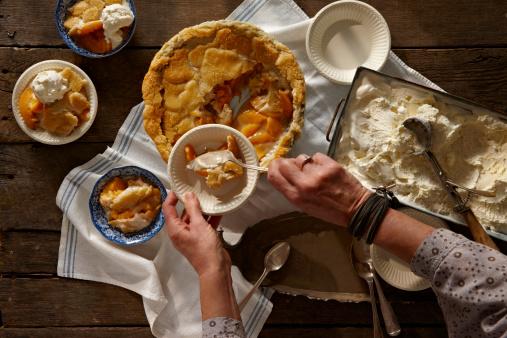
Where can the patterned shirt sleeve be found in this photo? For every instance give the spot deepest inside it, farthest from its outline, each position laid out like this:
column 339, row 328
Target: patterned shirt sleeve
column 222, row 327
column 470, row 281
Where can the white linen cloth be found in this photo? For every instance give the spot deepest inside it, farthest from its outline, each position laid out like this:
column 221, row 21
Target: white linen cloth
column 155, row 270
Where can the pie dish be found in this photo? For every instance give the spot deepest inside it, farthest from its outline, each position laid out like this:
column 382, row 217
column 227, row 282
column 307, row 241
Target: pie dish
column 100, row 215
column 230, row 73
column 54, row 102
column 215, row 165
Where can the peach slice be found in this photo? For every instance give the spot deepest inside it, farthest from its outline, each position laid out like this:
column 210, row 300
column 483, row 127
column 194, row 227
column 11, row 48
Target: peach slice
column 29, row 105
column 261, row 137
column 274, row 127
column 286, row 103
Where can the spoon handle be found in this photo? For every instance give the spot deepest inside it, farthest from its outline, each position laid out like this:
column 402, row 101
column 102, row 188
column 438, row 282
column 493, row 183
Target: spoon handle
column 390, row 320
column 245, row 300
column 249, row 166
column 377, row 329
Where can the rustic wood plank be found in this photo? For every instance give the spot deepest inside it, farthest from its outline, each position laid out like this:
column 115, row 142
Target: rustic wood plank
column 43, row 302
column 477, row 74
column 412, row 23
column 341, row 332
column 30, row 175
column 267, row 332
column 29, row 252
column 78, row 332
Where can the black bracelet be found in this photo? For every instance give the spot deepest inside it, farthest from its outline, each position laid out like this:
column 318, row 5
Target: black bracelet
column 369, row 216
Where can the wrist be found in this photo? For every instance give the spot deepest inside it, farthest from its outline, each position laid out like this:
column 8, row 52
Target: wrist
column 362, row 197
column 214, row 268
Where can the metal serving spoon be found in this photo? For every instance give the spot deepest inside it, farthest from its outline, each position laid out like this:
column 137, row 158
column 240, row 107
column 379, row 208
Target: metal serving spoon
column 273, row 261
column 422, row 131
column 361, row 251
column 364, row 271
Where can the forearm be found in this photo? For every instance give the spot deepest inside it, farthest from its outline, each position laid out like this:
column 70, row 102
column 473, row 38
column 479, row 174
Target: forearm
column 217, row 295
column 401, row 234
column 469, row 281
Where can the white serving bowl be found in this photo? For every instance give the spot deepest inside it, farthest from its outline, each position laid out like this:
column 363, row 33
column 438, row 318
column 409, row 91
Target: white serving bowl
column 40, row 134
column 232, row 194
column 345, row 35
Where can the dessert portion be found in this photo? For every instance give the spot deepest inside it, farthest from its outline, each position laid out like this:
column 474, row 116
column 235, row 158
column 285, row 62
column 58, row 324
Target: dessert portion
column 229, row 73
column 99, row 25
column 216, row 166
column 471, row 147
column 131, row 203
column 55, row 101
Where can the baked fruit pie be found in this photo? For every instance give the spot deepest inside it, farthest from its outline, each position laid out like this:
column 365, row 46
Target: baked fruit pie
column 55, row 101
column 216, row 165
column 230, row 73
column 131, row 204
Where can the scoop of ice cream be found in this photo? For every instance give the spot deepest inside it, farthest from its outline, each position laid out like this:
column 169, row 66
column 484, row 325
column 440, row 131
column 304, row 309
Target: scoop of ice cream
column 49, row 86
column 114, row 18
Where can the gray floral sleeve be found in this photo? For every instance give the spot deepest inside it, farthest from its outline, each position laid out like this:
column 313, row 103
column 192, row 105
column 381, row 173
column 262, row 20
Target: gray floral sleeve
column 222, row 327
column 470, row 281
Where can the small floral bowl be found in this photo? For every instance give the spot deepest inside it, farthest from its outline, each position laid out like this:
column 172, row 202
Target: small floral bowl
column 99, row 217
column 61, row 13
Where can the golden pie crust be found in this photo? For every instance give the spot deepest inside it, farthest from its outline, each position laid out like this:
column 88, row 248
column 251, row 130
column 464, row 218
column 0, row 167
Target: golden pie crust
column 192, row 78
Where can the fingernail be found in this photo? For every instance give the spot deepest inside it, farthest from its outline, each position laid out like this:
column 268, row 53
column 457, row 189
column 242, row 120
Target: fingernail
column 188, row 195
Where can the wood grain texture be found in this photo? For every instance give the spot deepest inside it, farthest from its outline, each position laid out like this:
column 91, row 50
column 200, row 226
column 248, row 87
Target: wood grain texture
column 30, row 175
column 412, row 23
column 267, row 332
column 42, row 302
column 477, row 74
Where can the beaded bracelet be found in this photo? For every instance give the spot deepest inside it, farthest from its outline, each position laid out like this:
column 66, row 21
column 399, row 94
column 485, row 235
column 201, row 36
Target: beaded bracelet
column 368, row 217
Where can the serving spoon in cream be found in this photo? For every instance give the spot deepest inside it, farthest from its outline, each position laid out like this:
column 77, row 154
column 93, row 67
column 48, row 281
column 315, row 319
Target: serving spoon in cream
column 422, row 131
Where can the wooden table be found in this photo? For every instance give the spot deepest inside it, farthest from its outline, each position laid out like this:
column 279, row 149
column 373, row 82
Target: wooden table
column 462, row 46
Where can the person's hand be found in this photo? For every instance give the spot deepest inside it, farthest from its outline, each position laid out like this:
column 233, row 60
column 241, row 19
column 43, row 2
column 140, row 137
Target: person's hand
column 320, row 187
column 194, row 237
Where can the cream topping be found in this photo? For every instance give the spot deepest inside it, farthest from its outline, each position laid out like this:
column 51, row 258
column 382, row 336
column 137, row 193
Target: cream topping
column 49, row 86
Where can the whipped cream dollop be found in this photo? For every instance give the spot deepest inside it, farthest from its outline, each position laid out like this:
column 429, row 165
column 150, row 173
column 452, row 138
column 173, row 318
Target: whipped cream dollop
column 470, row 146
column 210, row 160
column 115, row 17
column 49, row 86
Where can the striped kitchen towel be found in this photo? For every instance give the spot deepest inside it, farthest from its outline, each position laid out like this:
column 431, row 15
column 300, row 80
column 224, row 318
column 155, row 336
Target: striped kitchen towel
column 155, row 270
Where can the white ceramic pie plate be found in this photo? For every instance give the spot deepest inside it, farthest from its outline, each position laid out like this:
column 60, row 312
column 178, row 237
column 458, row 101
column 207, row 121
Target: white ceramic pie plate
column 395, row 271
column 232, row 194
column 40, row 134
column 345, row 35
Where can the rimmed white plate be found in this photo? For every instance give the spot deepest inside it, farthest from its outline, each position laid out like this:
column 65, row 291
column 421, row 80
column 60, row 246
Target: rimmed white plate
column 345, row 35
column 40, row 134
column 232, row 194
column 394, row 270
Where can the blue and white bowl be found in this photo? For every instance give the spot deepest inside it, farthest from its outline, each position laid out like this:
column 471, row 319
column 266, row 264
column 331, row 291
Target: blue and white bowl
column 99, row 217
column 61, row 13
